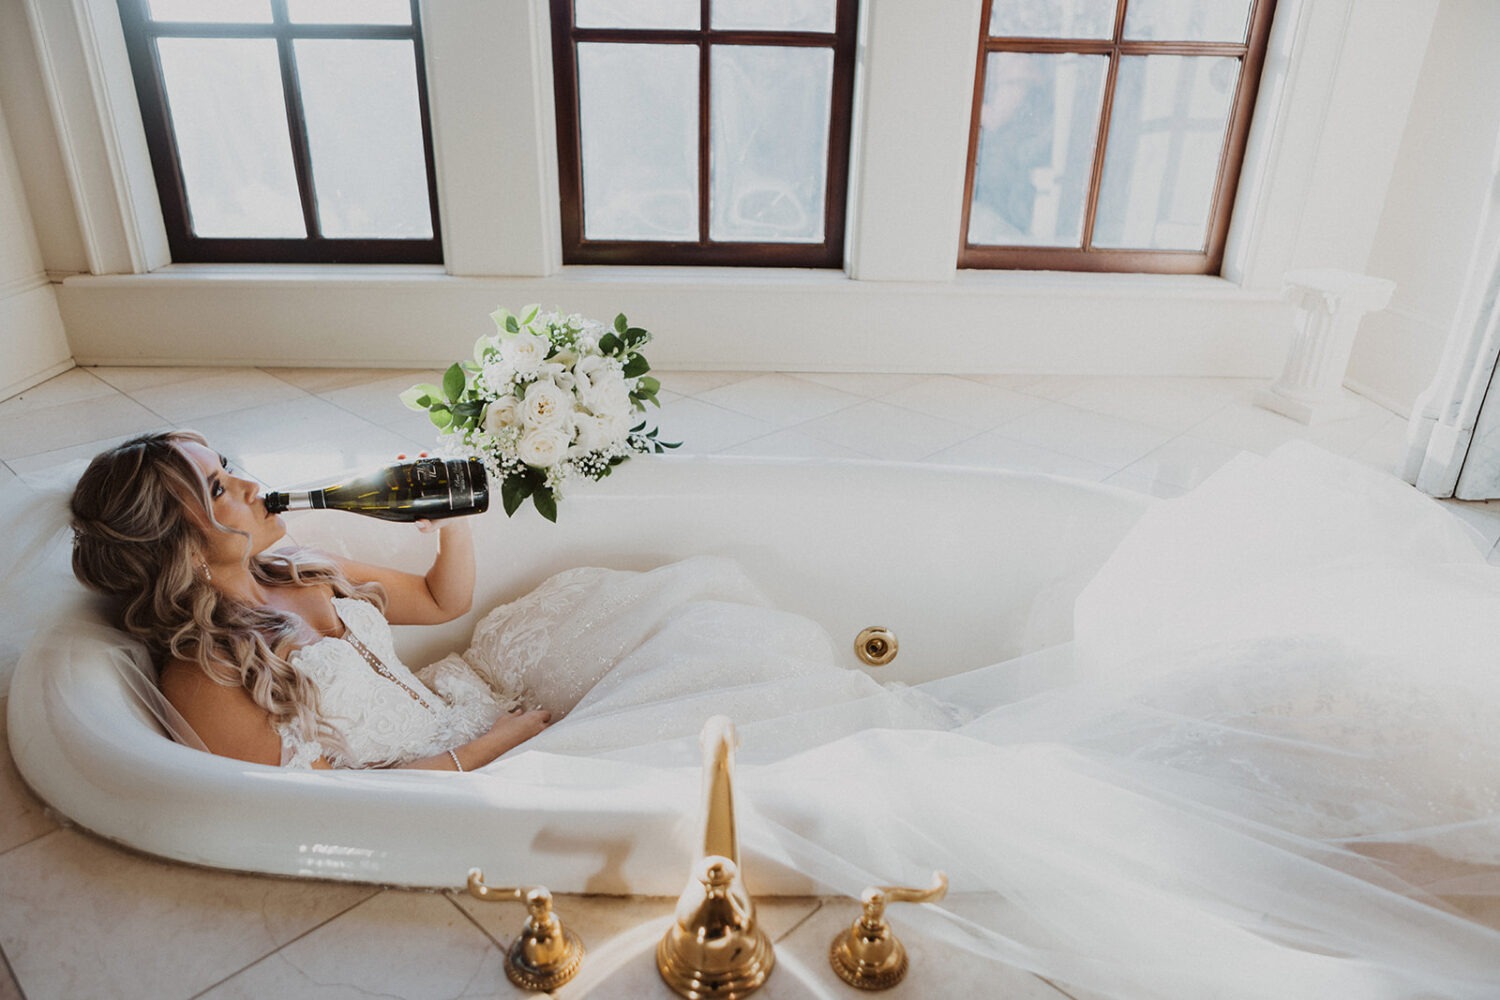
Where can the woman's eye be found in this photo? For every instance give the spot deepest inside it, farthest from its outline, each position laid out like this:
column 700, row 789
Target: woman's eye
column 218, row 490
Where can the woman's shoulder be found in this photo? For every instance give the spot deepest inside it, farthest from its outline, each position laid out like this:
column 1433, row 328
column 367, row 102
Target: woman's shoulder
column 186, row 682
column 222, row 716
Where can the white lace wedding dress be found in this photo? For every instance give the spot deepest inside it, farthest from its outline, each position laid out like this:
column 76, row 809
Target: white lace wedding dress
column 1267, row 767
column 632, row 660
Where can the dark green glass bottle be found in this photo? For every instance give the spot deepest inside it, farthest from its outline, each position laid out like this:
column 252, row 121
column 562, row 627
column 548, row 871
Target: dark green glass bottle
column 427, row 489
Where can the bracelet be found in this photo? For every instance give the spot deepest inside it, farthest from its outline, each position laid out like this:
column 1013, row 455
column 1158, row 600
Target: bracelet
column 457, row 766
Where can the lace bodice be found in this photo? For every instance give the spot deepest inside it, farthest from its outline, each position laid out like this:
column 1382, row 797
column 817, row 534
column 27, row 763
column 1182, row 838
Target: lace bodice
column 390, row 715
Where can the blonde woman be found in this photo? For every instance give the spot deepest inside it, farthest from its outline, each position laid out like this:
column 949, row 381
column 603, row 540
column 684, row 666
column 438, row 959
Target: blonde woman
column 251, row 643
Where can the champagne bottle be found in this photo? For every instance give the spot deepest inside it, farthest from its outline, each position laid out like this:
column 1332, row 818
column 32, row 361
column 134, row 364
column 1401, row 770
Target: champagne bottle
column 429, row 488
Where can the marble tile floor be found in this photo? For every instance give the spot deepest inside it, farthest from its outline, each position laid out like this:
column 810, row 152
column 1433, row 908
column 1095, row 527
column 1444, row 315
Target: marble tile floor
column 81, row 918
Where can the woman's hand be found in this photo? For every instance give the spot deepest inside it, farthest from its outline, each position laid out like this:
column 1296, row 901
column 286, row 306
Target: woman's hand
column 515, row 728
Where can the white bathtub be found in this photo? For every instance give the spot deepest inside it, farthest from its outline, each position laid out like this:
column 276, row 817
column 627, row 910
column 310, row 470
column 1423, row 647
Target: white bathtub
column 967, row 567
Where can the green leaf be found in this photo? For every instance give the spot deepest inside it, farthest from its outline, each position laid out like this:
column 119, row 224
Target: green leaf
column 546, row 504
column 649, row 386
column 467, row 413
column 440, row 416
column 513, row 493
column 635, row 336
column 511, row 326
column 420, row 397
column 637, row 365
column 528, row 313
column 454, row 382
column 620, row 325
column 609, row 344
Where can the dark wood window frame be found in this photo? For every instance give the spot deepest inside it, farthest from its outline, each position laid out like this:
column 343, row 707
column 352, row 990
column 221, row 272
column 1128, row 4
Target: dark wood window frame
column 704, row 251
column 1210, row 259
column 141, row 33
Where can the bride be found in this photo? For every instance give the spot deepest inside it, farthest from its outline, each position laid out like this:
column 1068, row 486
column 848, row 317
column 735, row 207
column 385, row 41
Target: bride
column 1268, row 765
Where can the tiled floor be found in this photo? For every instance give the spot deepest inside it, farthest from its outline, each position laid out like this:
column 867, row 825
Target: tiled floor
column 83, row 919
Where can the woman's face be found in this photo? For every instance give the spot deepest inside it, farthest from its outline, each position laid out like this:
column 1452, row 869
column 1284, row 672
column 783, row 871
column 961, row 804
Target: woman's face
column 237, row 505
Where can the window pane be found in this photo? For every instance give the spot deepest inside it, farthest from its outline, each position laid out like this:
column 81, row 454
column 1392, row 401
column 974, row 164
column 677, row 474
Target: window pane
column 229, row 120
column 359, row 100
column 769, row 143
column 349, row 11
column 1187, row 20
column 1053, row 19
column 638, row 115
column 1166, row 136
column 213, row 11
column 1037, row 130
column 637, row 14
column 775, row 15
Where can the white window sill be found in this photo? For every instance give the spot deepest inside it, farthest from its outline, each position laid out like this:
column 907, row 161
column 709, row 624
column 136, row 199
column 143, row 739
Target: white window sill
column 998, row 284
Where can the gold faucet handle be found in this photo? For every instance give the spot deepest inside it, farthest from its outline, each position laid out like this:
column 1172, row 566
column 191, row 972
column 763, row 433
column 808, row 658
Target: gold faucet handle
column 545, row 955
column 868, row 955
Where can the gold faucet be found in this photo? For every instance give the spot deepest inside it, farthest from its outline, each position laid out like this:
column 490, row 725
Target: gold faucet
column 868, row 955
column 545, row 955
column 714, row 947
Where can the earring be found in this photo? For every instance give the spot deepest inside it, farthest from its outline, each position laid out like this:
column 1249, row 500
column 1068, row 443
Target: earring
column 208, row 576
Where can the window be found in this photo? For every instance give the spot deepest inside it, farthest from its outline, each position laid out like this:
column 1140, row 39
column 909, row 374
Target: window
column 1107, row 134
column 287, row 130
column 703, row 131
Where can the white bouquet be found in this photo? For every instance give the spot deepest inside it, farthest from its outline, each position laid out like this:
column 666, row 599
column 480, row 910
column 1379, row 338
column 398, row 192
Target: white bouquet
column 547, row 398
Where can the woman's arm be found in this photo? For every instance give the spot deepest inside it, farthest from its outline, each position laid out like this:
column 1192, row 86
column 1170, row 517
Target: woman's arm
column 508, row 732
column 231, row 724
column 442, row 594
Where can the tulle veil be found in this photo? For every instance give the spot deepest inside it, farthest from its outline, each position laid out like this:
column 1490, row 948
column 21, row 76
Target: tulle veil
column 1268, row 765
column 44, row 612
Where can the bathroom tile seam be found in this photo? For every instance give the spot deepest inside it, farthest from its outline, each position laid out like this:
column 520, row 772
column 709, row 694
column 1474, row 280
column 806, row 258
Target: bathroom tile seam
column 448, row 894
column 286, row 944
column 7, row 970
column 57, row 828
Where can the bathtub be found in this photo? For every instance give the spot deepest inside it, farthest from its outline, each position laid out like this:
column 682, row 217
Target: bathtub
column 967, row 567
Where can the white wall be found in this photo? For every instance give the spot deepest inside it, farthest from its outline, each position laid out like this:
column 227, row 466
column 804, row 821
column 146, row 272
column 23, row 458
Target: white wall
column 32, row 344
column 1312, row 197
column 1428, row 226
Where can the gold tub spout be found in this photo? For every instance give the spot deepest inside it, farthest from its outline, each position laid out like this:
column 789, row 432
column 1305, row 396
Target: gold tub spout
column 715, row 947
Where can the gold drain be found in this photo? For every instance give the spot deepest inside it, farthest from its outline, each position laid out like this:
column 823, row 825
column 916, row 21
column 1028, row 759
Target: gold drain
column 876, row 646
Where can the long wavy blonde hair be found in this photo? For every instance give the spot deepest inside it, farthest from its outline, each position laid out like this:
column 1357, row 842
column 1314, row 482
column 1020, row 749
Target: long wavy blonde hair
column 136, row 541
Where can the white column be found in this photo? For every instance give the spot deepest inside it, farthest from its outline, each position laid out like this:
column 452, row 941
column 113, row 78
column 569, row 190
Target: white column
column 915, row 80
column 1330, row 304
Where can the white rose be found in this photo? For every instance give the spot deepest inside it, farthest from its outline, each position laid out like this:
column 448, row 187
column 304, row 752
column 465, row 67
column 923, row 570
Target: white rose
column 543, row 447
column 601, row 386
column 502, row 413
column 524, row 352
column 557, row 374
column 545, row 405
column 615, row 427
column 593, row 435
column 611, row 396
